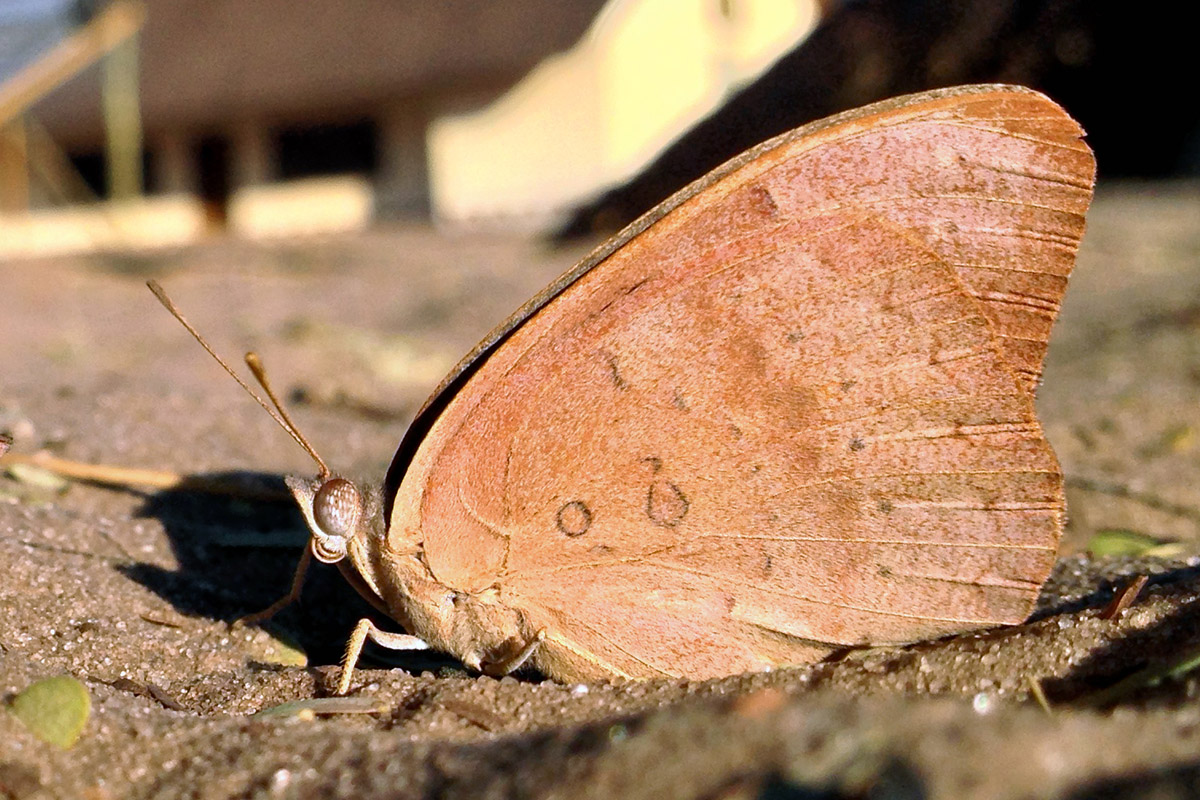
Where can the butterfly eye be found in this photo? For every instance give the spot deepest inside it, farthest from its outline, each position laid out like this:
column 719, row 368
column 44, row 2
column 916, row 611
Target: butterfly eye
column 337, row 508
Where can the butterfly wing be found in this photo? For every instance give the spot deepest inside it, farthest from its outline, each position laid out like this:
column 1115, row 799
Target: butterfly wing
column 791, row 411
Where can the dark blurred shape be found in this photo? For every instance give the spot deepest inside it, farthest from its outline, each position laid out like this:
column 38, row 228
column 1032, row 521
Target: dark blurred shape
column 1119, row 68
column 1181, row 782
column 327, row 149
column 81, row 12
column 893, row 779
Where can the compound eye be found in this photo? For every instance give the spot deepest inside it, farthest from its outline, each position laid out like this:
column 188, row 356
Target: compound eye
column 337, row 507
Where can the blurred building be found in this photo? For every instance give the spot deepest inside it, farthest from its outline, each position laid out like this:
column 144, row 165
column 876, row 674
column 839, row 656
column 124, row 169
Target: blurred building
column 239, row 98
column 271, row 116
column 240, row 93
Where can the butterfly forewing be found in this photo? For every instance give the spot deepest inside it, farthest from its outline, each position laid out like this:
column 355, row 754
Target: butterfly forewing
column 996, row 184
column 792, row 414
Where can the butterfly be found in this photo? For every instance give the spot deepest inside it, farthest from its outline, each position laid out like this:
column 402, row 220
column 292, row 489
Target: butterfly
column 788, row 411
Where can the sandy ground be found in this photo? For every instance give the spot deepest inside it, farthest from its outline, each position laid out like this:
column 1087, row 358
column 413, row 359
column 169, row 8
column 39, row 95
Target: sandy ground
column 132, row 593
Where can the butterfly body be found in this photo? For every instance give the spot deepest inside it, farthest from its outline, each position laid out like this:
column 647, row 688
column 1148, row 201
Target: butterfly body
column 789, row 410
column 473, row 625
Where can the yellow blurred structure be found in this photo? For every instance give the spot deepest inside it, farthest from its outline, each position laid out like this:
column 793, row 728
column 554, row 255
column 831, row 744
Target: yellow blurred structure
column 320, row 205
column 591, row 117
column 164, row 221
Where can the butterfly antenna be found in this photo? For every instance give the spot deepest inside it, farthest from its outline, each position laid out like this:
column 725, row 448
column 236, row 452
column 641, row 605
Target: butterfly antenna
column 260, row 374
column 256, row 366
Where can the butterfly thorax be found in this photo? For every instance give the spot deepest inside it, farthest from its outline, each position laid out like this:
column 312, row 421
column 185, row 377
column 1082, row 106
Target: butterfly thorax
column 474, row 626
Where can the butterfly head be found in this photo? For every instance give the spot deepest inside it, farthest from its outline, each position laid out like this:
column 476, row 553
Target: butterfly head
column 334, row 509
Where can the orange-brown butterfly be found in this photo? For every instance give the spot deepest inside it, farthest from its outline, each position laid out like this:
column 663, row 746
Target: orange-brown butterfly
column 788, row 410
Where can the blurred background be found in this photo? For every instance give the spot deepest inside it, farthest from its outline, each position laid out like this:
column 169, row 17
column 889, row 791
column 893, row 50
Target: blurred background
column 157, row 123
column 360, row 189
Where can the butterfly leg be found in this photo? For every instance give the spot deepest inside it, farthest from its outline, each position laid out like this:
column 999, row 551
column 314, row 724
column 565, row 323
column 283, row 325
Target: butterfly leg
column 515, row 662
column 365, row 629
column 292, row 596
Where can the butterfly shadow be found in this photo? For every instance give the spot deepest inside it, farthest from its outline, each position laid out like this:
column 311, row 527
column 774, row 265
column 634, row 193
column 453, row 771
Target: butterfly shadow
column 1133, row 652
column 237, row 554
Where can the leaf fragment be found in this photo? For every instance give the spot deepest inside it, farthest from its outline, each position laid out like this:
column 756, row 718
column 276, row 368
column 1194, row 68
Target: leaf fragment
column 54, row 709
